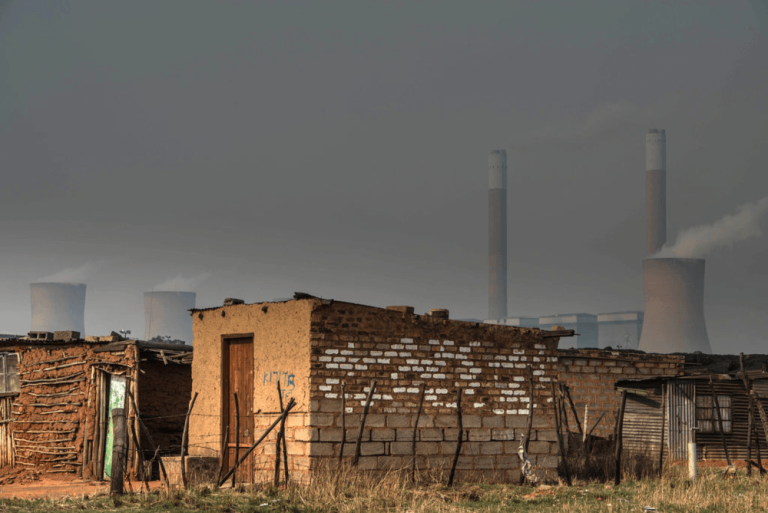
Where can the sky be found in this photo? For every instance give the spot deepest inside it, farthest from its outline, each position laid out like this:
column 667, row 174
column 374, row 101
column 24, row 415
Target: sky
column 256, row 149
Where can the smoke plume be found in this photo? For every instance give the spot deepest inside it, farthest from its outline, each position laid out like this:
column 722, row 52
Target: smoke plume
column 699, row 241
column 181, row 284
column 70, row 274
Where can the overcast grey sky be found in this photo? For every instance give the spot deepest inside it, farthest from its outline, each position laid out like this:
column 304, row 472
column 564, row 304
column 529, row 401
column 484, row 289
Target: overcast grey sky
column 340, row 149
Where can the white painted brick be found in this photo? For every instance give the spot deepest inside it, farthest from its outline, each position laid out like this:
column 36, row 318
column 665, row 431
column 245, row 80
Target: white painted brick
column 382, row 360
column 500, row 357
column 437, row 405
column 405, row 354
column 427, row 362
column 331, row 351
column 520, row 366
column 377, row 353
column 399, row 390
column 325, row 388
column 353, row 360
column 475, row 384
column 346, row 366
column 433, row 369
column 506, row 392
column 439, row 376
column 525, row 399
column 393, row 375
column 360, row 396
column 440, row 363
column 507, row 365
column 518, row 351
column 545, row 380
column 450, row 405
column 332, row 381
column 361, row 367
column 474, row 344
column 412, row 347
column 387, row 397
column 413, row 390
column 536, row 359
column 494, row 364
column 406, row 340
column 518, row 378
column 426, row 376
column 523, row 412
column 390, row 354
column 464, row 350
column 332, row 366
column 511, row 412
column 350, row 410
column 446, row 355
column 519, row 392
column 351, row 345
column 538, row 373
column 514, row 358
column 539, row 346
column 542, row 366
column 404, row 368
column 475, row 370
column 326, row 359
column 466, row 376
column 434, row 342
column 412, row 362
column 331, row 396
column 369, row 360
column 430, row 397
column 441, row 391
column 461, row 357
column 338, row 359
column 497, row 412
column 479, row 405
column 448, row 342
column 347, row 353
column 398, row 346
column 376, row 396
column 418, row 369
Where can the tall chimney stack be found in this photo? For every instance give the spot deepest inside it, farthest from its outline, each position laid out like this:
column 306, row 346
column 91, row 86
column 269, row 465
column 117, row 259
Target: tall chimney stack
column 655, row 190
column 497, row 234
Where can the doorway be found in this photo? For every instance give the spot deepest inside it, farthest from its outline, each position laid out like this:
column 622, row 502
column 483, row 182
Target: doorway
column 237, row 377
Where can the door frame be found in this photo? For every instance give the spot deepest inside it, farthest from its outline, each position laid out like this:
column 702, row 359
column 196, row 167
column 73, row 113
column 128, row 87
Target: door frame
column 225, row 373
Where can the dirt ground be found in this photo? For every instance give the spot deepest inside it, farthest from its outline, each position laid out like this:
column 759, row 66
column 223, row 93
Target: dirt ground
column 56, row 489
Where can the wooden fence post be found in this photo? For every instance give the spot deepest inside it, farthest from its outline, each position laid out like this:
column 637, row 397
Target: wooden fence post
column 460, row 440
column 237, row 439
column 619, row 432
column 118, row 451
column 415, row 431
column 362, row 424
column 564, row 459
column 343, row 420
column 184, row 440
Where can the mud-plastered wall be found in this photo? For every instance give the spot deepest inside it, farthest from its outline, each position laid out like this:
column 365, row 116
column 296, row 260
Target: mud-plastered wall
column 352, row 345
column 591, row 375
column 281, row 352
column 50, row 427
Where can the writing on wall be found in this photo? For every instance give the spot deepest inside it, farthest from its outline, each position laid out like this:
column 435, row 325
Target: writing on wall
column 285, row 378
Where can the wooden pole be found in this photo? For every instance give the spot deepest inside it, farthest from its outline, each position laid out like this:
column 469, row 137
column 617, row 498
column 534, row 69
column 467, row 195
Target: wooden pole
column 184, row 441
column 343, row 420
column 663, row 422
column 237, row 439
column 139, row 455
column 102, row 412
column 151, row 441
column 567, row 392
column 415, row 431
column 749, row 437
column 223, row 453
column 459, row 441
column 362, row 424
column 118, row 451
column 529, row 426
column 563, row 458
column 619, row 433
column 135, row 423
column 716, row 407
column 291, row 404
column 586, row 424
column 564, row 413
column 278, row 448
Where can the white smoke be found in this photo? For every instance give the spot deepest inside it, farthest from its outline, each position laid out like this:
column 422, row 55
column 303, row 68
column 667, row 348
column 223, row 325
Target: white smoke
column 70, row 274
column 181, row 284
column 699, row 241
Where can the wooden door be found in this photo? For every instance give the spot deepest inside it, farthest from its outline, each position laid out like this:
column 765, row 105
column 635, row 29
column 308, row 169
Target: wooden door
column 238, row 378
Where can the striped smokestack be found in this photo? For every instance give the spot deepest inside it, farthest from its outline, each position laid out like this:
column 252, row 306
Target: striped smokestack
column 497, row 234
column 655, row 190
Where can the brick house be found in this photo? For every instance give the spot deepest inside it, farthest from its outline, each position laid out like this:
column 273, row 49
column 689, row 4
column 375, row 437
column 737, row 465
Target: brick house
column 315, row 346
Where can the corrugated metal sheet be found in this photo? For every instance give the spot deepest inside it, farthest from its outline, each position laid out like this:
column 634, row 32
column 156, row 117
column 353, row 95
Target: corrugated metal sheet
column 642, row 423
column 681, row 413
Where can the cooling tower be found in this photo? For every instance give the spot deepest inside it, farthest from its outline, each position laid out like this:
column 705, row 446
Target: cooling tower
column 497, row 234
column 58, row 307
column 655, row 190
column 674, row 306
column 166, row 314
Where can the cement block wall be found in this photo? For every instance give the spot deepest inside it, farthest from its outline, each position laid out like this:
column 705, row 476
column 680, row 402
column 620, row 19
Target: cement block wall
column 326, row 345
column 592, row 373
column 355, row 344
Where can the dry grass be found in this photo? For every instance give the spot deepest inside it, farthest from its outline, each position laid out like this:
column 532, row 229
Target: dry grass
column 353, row 491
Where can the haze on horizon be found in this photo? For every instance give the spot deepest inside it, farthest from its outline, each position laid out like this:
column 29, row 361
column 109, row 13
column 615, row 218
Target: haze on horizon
column 340, row 149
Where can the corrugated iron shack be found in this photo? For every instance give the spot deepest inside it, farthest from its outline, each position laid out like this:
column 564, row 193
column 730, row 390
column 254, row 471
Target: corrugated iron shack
column 709, row 408
column 57, row 391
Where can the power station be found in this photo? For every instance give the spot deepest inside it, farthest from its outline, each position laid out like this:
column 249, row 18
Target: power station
column 58, row 307
column 166, row 314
